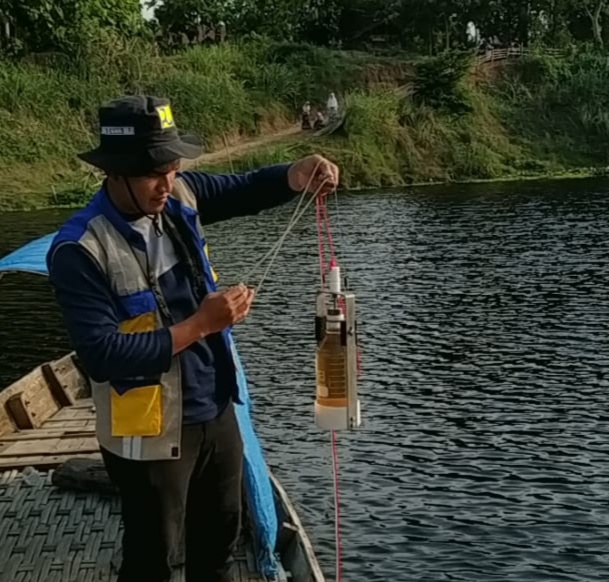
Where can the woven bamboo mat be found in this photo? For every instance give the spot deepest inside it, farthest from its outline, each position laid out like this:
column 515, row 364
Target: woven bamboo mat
column 52, row 535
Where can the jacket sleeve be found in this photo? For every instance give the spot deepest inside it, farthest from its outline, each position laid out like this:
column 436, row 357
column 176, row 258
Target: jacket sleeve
column 92, row 321
column 224, row 196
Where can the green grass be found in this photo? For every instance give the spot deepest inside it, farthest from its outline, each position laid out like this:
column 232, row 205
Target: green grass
column 558, row 108
column 543, row 116
column 388, row 141
column 48, row 108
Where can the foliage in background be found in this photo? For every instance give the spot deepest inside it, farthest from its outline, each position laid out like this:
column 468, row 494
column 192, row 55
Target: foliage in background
column 441, row 82
column 424, row 26
column 48, row 109
column 544, row 116
column 551, row 100
column 36, row 26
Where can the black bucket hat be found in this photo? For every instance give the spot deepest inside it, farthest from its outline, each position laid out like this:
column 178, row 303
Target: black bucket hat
column 138, row 134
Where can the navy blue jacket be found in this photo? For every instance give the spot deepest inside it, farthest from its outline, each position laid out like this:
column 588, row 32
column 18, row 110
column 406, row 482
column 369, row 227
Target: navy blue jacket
column 92, row 316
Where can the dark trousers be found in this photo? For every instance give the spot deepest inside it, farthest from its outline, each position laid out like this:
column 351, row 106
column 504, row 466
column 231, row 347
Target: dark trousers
column 183, row 510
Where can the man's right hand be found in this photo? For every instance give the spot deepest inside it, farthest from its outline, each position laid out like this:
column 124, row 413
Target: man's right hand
column 217, row 312
column 222, row 309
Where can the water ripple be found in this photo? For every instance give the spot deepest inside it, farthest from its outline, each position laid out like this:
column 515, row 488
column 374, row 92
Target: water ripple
column 484, row 325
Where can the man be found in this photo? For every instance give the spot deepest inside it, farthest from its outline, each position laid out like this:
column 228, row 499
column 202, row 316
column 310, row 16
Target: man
column 332, row 106
column 137, row 292
column 319, row 121
column 306, row 116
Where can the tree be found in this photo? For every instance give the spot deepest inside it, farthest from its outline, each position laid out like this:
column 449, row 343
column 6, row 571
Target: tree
column 436, row 24
column 193, row 18
column 361, row 19
column 594, row 10
column 47, row 25
column 321, row 21
column 278, row 19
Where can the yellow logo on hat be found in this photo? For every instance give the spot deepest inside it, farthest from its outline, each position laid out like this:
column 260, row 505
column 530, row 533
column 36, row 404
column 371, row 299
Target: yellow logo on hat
column 166, row 116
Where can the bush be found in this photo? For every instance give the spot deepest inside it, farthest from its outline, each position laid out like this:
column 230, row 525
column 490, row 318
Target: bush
column 43, row 26
column 565, row 100
column 441, row 82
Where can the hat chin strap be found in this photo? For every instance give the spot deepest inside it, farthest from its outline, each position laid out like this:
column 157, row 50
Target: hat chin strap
column 153, row 217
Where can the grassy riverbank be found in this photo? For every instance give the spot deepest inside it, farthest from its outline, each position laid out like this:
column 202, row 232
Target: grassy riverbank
column 542, row 116
column 538, row 117
column 223, row 93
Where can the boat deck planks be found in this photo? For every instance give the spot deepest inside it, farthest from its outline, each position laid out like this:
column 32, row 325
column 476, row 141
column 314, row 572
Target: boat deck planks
column 67, row 433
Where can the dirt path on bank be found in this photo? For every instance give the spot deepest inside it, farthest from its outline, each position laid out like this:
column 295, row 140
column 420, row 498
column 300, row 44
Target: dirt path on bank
column 237, row 150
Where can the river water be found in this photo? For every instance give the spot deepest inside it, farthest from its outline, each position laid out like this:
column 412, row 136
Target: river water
column 484, row 319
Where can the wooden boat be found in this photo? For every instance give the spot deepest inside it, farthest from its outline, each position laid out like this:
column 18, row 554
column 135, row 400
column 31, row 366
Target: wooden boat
column 59, row 519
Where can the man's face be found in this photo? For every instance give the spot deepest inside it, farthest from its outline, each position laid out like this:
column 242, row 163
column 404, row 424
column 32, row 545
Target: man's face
column 153, row 190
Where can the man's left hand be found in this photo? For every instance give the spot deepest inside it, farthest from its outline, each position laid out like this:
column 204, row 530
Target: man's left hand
column 326, row 173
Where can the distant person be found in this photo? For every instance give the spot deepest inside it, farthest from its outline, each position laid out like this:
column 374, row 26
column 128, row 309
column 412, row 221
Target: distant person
column 257, row 120
column 200, row 33
column 332, row 106
column 320, row 120
column 221, row 32
column 306, row 116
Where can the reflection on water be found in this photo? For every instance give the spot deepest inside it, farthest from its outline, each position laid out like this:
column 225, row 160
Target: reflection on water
column 484, row 319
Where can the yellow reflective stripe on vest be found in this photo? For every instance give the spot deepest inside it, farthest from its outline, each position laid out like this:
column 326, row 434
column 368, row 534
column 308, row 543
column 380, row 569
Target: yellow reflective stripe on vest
column 213, row 271
column 139, row 324
column 139, row 411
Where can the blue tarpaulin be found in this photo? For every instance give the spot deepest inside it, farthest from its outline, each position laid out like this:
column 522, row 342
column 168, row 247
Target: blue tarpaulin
column 31, row 258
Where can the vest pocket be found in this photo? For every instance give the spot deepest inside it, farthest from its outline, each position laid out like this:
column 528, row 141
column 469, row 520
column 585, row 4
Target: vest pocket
column 137, row 412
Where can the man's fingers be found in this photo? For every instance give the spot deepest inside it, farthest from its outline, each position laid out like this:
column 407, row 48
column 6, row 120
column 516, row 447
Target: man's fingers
column 324, row 187
column 333, row 169
column 241, row 299
column 236, row 291
column 232, row 292
column 324, row 171
column 243, row 309
column 241, row 303
column 329, row 174
column 336, row 174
